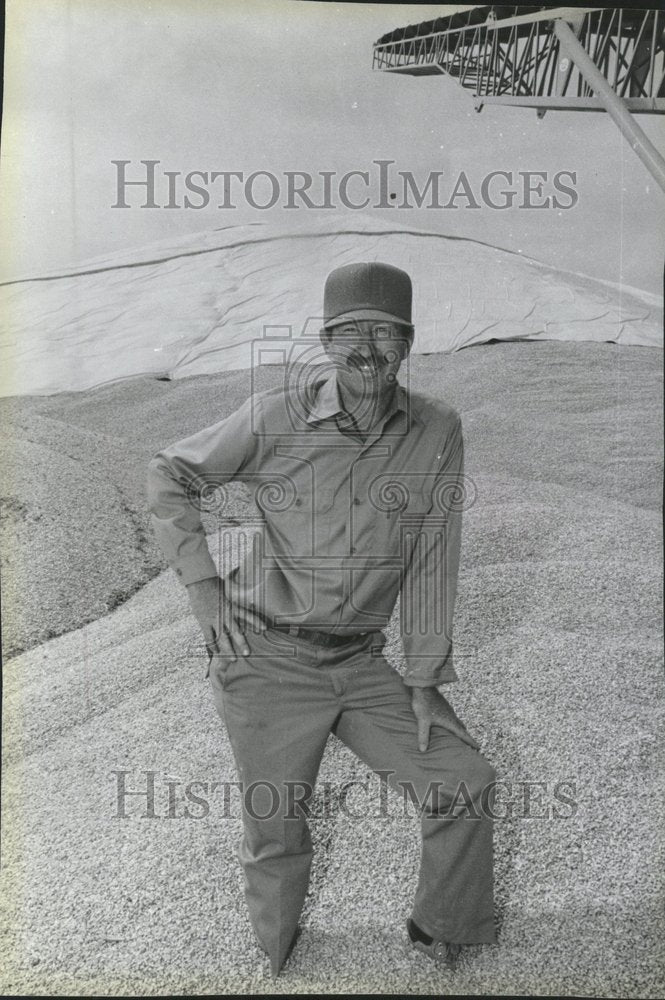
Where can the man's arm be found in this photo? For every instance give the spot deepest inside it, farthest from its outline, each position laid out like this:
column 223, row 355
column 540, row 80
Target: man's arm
column 428, row 593
column 177, row 475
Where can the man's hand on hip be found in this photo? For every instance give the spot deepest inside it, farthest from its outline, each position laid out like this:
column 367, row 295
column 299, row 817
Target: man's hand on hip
column 431, row 709
column 223, row 630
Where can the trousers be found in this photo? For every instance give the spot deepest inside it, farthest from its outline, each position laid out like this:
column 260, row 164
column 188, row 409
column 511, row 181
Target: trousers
column 279, row 705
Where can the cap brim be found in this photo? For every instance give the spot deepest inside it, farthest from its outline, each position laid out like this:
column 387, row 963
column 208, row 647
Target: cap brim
column 364, row 314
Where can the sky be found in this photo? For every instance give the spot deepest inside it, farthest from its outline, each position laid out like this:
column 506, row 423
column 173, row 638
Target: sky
column 279, row 85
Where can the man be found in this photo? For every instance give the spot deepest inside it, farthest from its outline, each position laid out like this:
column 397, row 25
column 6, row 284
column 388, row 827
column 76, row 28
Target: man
column 351, row 473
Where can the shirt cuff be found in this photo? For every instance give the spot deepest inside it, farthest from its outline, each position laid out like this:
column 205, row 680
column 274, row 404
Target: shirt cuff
column 422, row 672
column 191, row 569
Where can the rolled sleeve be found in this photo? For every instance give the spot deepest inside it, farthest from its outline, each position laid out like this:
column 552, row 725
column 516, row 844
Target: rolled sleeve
column 177, row 475
column 423, row 672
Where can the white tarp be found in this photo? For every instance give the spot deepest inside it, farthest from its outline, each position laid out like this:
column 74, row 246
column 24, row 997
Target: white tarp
column 201, row 304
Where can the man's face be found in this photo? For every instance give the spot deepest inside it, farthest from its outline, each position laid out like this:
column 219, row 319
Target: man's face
column 367, row 355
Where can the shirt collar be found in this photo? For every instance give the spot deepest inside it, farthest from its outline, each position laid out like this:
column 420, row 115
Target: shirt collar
column 327, row 402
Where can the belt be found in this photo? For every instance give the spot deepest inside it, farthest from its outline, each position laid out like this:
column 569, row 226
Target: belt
column 318, row 638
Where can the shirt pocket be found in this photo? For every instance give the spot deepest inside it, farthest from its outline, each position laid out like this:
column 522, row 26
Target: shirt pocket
column 303, row 528
column 398, row 510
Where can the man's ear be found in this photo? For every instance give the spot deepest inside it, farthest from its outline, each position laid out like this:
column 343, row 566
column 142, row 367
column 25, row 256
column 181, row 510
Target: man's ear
column 408, row 342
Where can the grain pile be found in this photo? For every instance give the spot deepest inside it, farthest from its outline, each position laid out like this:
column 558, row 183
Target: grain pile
column 559, row 654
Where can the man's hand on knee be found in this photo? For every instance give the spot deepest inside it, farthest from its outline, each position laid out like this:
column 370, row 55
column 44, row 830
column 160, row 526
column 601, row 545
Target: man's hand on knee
column 431, row 709
column 223, row 631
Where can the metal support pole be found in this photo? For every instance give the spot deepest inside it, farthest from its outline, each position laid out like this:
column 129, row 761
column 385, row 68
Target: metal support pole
column 613, row 104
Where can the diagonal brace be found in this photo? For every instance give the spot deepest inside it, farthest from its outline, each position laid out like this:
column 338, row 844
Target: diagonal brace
column 631, row 131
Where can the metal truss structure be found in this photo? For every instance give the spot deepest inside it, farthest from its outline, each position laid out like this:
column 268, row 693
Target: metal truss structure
column 549, row 58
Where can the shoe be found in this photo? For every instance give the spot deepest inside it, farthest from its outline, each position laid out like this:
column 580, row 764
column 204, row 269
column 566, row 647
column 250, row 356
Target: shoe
column 444, row 952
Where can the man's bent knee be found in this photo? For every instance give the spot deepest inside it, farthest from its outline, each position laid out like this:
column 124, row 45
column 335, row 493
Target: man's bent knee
column 473, row 789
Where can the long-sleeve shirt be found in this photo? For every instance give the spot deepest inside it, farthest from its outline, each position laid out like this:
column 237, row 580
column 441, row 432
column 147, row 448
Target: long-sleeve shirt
column 348, row 522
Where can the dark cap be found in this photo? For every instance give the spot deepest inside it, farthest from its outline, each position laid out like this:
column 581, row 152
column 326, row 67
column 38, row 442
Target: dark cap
column 367, row 291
